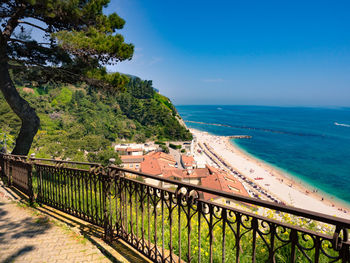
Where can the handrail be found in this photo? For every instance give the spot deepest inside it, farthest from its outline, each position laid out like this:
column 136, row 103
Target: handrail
column 267, row 204
column 49, row 160
column 283, row 208
column 148, row 216
column 63, row 161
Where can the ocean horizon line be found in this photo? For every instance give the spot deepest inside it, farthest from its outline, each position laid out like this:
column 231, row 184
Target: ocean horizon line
column 272, row 106
column 310, row 159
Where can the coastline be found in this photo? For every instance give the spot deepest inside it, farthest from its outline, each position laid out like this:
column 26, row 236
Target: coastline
column 283, row 185
column 294, row 179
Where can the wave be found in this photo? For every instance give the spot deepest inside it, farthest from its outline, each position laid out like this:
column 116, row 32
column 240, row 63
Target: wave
column 342, row 124
column 259, row 129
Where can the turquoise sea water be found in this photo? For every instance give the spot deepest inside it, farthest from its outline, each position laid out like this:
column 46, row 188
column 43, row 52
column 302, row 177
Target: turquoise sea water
column 312, row 144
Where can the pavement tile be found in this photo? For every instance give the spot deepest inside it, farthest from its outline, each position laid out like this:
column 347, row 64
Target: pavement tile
column 24, row 238
column 40, row 235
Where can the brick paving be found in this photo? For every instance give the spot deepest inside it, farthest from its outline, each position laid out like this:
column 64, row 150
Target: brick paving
column 32, row 235
column 43, row 234
column 26, row 236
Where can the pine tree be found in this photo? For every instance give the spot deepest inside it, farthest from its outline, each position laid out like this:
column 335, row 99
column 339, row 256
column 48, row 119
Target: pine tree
column 78, row 41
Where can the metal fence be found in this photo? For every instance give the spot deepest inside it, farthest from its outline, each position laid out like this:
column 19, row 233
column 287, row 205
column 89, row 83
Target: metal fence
column 169, row 221
column 75, row 191
column 18, row 172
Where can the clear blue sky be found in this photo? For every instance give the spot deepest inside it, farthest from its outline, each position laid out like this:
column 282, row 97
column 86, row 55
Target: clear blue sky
column 241, row 52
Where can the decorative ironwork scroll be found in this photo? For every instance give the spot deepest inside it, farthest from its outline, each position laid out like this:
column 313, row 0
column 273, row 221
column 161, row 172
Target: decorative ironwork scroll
column 175, row 223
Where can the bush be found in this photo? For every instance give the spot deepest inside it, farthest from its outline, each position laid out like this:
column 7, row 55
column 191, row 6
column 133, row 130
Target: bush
column 164, row 148
column 103, row 157
column 183, row 150
column 159, row 143
column 174, row 146
column 63, row 98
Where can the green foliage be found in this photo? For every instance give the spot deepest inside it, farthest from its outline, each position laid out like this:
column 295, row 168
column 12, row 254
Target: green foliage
column 117, row 80
column 166, row 102
column 160, row 143
column 9, row 121
column 141, row 89
column 75, row 44
column 80, row 122
column 183, row 150
column 164, row 148
column 154, row 115
column 103, row 156
column 63, row 98
column 79, row 41
column 174, row 146
column 208, row 232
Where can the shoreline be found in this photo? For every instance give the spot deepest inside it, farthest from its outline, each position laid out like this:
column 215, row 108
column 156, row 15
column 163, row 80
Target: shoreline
column 281, row 184
column 290, row 178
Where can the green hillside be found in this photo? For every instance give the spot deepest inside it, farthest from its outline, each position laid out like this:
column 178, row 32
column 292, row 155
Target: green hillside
column 80, row 122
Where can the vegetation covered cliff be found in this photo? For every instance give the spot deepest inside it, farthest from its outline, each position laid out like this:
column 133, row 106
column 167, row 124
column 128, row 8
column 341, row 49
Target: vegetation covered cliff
column 81, row 123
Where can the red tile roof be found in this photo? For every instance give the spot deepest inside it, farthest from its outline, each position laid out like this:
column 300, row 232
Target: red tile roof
column 150, row 166
column 172, row 173
column 131, row 159
column 222, row 181
column 162, row 156
column 187, row 160
column 157, row 163
column 196, row 173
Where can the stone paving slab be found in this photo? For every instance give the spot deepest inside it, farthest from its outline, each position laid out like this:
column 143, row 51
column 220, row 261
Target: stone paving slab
column 28, row 238
column 45, row 234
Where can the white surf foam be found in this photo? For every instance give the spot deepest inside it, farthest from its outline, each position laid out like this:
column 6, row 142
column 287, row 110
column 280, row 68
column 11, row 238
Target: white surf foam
column 342, row 124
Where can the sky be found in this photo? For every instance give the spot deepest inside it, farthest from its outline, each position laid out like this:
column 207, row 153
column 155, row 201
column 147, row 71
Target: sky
column 285, row 53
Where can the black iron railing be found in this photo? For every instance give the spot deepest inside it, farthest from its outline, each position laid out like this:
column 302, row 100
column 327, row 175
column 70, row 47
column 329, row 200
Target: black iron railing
column 169, row 221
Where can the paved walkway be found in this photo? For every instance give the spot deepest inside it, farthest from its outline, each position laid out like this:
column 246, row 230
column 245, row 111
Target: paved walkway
column 32, row 235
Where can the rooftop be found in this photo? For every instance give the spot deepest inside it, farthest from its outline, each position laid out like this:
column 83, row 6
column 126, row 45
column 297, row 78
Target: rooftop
column 187, row 160
column 162, row 155
column 129, row 149
column 131, row 159
column 196, row 173
column 150, row 166
column 172, row 173
column 222, row 181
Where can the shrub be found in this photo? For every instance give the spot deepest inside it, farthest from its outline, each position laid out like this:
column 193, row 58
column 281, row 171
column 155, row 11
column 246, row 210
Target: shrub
column 164, row 148
column 174, row 146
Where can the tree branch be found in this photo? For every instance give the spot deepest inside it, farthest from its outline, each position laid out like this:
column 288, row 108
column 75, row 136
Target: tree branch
column 33, row 25
column 26, row 42
column 13, row 22
column 18, row 40
column 44, row 43
column 66, row 75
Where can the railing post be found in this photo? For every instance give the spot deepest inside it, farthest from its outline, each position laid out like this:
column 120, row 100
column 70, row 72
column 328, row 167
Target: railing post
column 9, row 176
column 30, row 183
column 106, row 184
column 2, row 165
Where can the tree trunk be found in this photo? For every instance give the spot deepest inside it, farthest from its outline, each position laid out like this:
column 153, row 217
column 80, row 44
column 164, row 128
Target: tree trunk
column 30, row 121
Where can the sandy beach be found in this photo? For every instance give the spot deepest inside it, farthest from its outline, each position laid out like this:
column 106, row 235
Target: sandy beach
column 278, row 184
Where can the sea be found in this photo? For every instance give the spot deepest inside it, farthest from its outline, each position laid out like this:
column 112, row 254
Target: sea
column 310, row 144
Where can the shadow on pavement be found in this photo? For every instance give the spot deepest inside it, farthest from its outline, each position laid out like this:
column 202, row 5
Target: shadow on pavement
column 20, row 252
column 94, row 234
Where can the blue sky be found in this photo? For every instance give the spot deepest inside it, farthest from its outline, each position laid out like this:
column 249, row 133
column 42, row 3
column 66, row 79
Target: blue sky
column 241, row 52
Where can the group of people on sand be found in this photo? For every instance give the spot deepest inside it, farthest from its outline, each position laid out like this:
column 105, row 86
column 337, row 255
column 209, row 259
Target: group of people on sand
column 220, row 162
column 231, row 169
